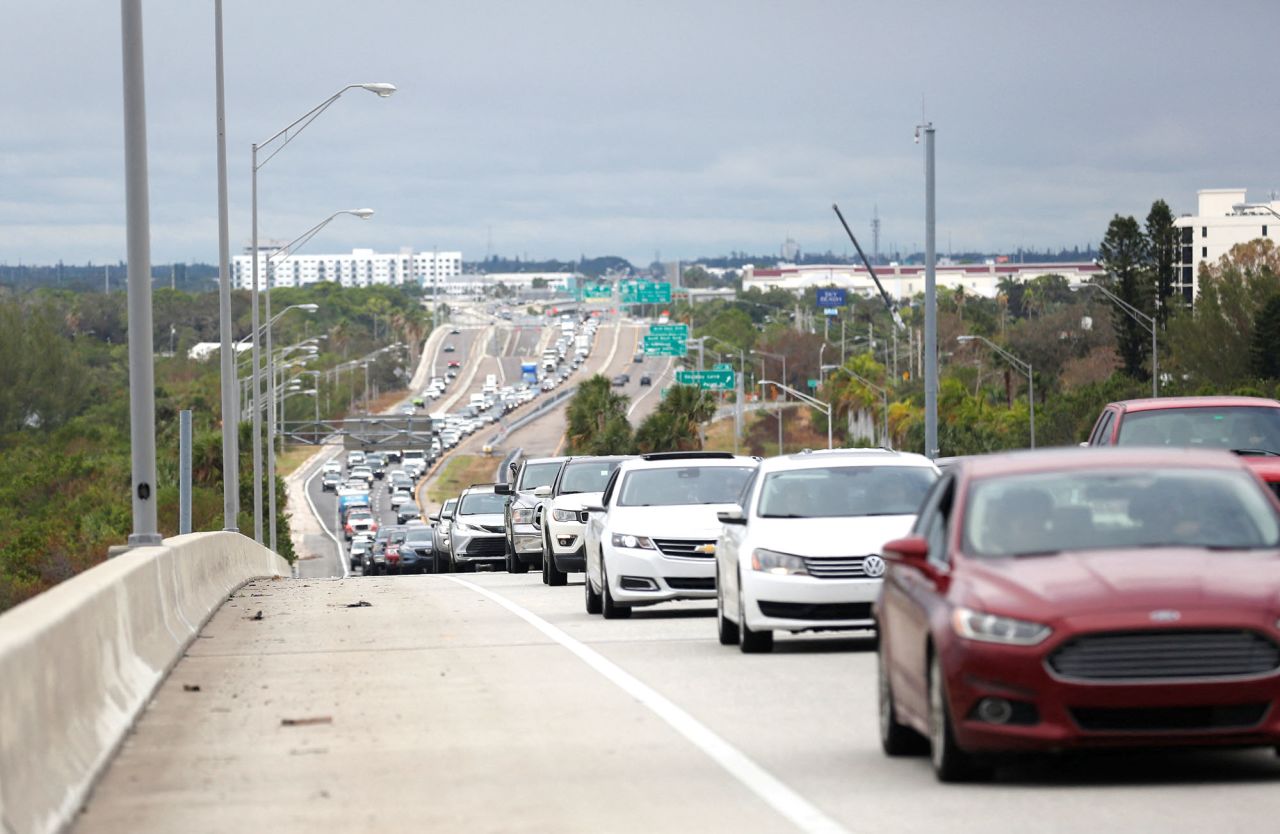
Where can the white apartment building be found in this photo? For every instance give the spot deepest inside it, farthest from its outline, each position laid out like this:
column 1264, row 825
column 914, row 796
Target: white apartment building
column 903, row 282
column 361, row 268
column 1223, row 219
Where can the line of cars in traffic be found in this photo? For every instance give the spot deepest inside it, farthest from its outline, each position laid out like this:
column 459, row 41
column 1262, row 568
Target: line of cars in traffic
column 1020, row 603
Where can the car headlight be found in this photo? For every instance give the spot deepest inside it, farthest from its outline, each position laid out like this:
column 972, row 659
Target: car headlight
column 992, row 628
column 778, row 564
column 625, row 540
column 564, row 515
column 459, row 527
column 524, row 515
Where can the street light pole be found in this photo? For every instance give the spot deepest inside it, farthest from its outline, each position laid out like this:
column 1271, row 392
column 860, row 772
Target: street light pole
column 930, row 299
column 230, row 413
column 1141, row 318
column 142, row 404
column 382, row 90
column 1017, row 363
column 782, row 387
column 883, row 392
column 287, row 250
column 805, row 398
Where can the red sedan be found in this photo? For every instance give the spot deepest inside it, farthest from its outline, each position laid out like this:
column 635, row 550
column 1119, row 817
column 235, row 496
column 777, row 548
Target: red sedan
column 1248, row 426
column 1082, row 598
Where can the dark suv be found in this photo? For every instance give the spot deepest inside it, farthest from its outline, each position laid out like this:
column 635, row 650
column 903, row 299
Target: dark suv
column 531, row 481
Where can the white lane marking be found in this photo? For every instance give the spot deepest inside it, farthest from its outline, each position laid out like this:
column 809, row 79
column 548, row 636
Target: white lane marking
column 306, row 490
column 791, row 805
column 636, row 402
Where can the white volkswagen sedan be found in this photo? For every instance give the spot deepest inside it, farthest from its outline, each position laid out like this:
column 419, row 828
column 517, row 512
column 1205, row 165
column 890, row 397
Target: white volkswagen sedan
column 653, row 537
column 802, row 552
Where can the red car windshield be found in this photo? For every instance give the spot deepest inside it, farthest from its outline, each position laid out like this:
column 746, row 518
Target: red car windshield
column 1242, row 428
column 1108, row 509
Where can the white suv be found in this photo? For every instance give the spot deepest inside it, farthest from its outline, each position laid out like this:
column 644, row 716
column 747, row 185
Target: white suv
column 581, row 483
column 652, row 538
column 802, row 552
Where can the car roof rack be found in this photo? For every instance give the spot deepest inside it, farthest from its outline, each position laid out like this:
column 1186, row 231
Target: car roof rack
column 688, row 456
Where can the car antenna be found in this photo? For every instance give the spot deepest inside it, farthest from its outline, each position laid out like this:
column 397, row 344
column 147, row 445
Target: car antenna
column 888, row 301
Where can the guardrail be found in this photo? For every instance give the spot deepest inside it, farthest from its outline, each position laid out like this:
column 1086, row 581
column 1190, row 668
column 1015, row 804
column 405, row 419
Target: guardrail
column 81, row 661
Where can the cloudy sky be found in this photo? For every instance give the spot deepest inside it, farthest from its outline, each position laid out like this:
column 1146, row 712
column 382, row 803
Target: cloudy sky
column 549, row 128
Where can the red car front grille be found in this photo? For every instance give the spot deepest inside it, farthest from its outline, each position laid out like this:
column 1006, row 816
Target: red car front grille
column 1165, row 655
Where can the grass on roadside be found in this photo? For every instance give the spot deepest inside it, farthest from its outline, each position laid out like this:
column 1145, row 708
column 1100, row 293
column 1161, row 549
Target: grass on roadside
column 460, row 472
column 292, row 458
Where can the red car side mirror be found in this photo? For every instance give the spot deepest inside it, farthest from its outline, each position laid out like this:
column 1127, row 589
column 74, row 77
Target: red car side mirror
column 912, row 551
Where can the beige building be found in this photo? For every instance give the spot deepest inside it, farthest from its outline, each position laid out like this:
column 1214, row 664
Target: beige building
column 1223, row 219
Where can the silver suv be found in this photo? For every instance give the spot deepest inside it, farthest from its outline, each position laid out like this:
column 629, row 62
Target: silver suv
column 476, row 534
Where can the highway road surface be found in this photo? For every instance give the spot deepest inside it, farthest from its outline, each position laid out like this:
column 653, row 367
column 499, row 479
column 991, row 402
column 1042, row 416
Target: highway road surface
column 492, row 703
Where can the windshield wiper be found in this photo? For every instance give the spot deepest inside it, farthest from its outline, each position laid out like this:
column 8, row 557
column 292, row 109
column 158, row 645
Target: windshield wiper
column 787, row 515
column 1260, row 453
column 1032, row 553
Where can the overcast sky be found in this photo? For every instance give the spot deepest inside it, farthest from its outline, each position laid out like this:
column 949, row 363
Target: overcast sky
column 688, row 128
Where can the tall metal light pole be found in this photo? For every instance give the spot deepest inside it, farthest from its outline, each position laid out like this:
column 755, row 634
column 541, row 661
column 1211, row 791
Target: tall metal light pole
column 283, row 253
column 883, row 392
column 382, row 90
column 1148, row 323
column 781, row 388
column 142, row 403
column 930, row 298
column 230, row 410
column 1020, row 365
column 805, row 398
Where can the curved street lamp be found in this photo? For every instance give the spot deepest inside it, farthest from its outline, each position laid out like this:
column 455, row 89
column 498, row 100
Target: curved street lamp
column 290, row 132
column 1017, row 363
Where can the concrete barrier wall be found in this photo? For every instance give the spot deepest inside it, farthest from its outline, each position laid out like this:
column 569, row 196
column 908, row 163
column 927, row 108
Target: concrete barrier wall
column 79, row 663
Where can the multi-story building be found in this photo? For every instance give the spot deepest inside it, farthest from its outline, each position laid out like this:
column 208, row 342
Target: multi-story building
column 361, row 268
column 1223, row 219
column 904, row 282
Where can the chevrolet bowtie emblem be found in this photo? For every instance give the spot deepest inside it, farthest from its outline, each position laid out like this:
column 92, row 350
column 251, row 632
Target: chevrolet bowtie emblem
column 705, row 548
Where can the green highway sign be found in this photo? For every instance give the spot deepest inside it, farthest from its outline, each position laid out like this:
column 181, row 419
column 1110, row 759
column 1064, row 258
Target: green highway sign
column 681, row 330
column 646, row 292
column 664, row 346
column 813, row 383
column 723, row 366
column 597, row 293
column 708, row 380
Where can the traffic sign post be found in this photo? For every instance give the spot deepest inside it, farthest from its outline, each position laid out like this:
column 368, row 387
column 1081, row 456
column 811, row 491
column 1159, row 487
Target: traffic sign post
column 707, row 380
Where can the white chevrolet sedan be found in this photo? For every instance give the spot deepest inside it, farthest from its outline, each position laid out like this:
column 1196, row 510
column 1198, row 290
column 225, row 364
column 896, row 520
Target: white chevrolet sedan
column 802, row 552
column 652, row 538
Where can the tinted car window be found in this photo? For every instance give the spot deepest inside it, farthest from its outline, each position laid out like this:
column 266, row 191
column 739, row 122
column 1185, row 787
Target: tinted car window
column 588, row 476
column 671, row 486
column 1118, row 509
column 538, row 474
column 482, row 503
column 1233, row 427
column 844, row 491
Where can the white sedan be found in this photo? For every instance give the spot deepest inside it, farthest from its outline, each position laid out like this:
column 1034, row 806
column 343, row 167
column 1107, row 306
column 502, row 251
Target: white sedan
column 652, row 538
column 803, row 551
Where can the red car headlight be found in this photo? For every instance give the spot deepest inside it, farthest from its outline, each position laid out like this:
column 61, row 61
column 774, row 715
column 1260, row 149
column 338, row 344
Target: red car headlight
column 992, row 628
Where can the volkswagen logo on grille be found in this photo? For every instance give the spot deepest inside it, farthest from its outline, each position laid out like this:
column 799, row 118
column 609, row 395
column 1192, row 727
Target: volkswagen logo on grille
column 873, row 566
column 1165, row 615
